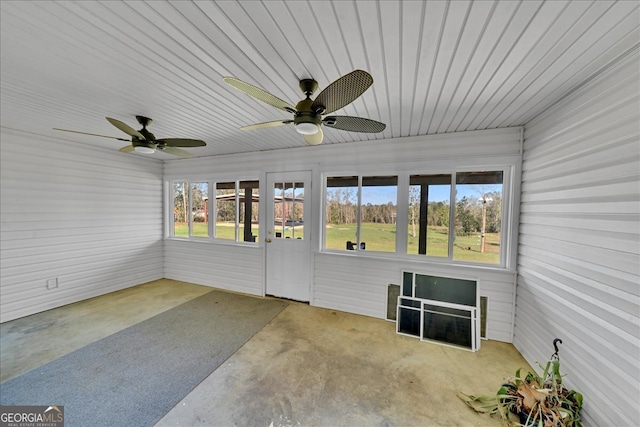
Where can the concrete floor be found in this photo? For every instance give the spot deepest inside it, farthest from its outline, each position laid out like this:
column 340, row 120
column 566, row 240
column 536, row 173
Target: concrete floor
column 308, row 367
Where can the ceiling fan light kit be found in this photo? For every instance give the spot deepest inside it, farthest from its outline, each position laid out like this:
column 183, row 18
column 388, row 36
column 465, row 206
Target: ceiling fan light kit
column 306, row 128
column 144, row 149
column 307, row 114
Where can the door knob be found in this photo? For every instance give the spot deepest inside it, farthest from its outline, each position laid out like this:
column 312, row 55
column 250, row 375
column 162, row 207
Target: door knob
column 268, row 240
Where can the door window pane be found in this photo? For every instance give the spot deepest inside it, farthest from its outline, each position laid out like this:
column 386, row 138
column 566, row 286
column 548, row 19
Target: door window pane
column 181, row 209
column 296, row 214
column 478, row 216
column 429, row 208
column 378, row 207
column 226, row 210
column 288, row 210
column 199, row 209
column 341, row 212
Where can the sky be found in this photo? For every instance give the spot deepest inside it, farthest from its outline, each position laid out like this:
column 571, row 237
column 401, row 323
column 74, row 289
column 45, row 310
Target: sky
column 437, row 193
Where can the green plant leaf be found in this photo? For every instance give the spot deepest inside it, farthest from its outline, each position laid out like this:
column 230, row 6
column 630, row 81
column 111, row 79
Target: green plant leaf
column 541, row 401
column 518, row 377
column 556, row 370
column 577, row 396
column 476, row 403
column 545, row 374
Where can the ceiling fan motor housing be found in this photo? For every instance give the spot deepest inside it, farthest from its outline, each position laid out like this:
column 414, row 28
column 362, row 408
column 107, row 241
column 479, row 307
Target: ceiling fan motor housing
column 305, row 114
column 147, row 135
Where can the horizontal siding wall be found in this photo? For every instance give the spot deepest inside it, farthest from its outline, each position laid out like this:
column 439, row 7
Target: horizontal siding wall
column 354, row 284
column 223, row 266
column 359, row 285
column 398, row 151
column 89, row 217
column 579, row 243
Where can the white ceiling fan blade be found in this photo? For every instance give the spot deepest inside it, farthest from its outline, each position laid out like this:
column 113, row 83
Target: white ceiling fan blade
column 125, row 128
column 175, row 151
column 315, row 138
column 267, row 125
column 259, row 94
column 92, row 134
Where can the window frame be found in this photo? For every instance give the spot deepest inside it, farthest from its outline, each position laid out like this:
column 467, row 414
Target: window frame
column 212, row 210
column 189, row 208
column 358, row 215
column 507, row 231
column 503, row 237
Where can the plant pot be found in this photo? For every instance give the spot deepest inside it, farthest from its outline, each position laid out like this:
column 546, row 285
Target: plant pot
column 523, row 416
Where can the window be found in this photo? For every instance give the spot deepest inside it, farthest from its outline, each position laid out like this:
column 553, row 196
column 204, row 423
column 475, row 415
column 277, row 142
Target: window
column 478, row 219
column 341, row 212
column 361, row 213
column 249, row 197
column 477, row 216
column 378, row 207
column 234, row 210
column 199, row 209
column 190, row 209
column 181, row 209
column 237, row 210
column 450, row 216
column 225, row 210
column 429, row 213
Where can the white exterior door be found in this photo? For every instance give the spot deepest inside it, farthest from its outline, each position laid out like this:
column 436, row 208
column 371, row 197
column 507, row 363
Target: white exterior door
column 287, row 241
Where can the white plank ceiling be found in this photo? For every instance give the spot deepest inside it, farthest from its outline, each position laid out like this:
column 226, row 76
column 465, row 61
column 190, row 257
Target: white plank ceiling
column 437, row 66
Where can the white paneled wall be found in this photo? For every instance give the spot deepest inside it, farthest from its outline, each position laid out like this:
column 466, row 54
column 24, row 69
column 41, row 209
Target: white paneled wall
column 89, row 218
column 463, row 147
column 223, row 266
column 579, row 246
column 352, row 283
column 359, row 285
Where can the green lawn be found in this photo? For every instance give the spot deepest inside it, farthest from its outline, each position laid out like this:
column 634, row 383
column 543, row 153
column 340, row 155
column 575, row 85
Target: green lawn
column 381, row 237
column 378, row 237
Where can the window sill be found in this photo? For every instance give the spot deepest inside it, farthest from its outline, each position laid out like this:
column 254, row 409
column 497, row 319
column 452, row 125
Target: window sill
column 210, row 241
column 417, row 260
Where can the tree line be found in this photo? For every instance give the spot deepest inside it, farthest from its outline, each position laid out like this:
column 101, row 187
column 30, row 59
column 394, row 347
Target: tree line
column 341, row 208
column 226, row 209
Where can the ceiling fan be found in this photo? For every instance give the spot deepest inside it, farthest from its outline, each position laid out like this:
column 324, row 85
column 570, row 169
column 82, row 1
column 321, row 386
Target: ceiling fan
column 307, row 114
column 143, row 141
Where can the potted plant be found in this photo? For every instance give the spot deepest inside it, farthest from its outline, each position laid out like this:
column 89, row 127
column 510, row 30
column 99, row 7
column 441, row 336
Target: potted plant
column 536, row 400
